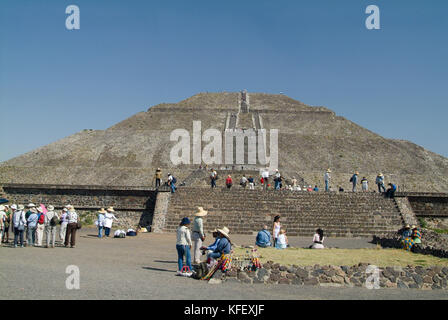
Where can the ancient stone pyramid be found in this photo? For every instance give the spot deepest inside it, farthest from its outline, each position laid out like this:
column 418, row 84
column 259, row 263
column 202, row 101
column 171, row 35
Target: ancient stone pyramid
column 310, row 140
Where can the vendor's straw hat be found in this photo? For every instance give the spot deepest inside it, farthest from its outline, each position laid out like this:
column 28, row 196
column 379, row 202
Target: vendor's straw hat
column 407, row 226
column 201, row 212
column 413, row 226
column 110, row 209
column 380, row 174
column 225, row 232
column 102, row 210
column 328, row 170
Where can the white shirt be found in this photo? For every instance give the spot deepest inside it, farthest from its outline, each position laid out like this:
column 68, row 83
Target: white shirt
column 183, row 236
column 108, row 219
column 2, row 217
column 281, row 239
column 72, row 217
column 327, row 176
column 48, row 216
column 265, row 174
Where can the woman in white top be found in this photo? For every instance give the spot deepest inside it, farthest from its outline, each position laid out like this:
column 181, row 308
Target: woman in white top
column 109, row 218
column 318, row 240
column 276, row 229
column 282, row 240
column 183, row 245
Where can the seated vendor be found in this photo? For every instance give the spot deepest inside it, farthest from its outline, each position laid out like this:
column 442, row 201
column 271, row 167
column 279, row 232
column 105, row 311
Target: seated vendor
column 224, row 245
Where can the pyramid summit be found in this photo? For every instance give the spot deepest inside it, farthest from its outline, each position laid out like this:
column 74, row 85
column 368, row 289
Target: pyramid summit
column 310, row 140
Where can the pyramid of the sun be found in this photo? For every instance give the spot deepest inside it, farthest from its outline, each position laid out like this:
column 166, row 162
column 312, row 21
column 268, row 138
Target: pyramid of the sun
column 310, row 140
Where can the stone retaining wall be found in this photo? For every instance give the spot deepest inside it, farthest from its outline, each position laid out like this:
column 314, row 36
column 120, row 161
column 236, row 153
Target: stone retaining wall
column 133, row 205
column 341, row 276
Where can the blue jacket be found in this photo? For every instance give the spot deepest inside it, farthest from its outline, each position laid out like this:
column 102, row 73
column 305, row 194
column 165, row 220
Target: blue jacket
column 223, row 246
column 214, row 245
column 32, row 220
column 263, row 238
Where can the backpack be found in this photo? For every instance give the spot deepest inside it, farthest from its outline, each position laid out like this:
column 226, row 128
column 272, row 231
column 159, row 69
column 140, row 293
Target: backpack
column 54, row 221
column 351, row 179
column 201, row 271
column 41, row 219
column 174, row 180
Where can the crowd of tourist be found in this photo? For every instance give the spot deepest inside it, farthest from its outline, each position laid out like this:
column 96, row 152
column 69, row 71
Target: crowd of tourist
column 29, row 225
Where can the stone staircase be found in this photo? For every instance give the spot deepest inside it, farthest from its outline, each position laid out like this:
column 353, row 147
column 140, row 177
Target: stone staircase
column 246, row 211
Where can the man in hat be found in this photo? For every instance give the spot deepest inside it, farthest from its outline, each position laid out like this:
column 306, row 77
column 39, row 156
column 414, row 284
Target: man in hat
column 32, row 226
column 213, row 246
column 72, row 226
column 277, row 180
column 198, row 234
column 354, row 180
column 213, row 177
column 64, row 222
column 109, row 218
column 380, row 182
column 8, row 222
column 327, row 179
column 224, row 246
column 51, row 222
column 100, row 222
column 158, row 177
column 19, row 222
column 40, row 226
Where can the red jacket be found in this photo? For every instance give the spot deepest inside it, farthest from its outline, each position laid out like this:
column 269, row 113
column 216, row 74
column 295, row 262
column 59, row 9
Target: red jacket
column 229, row 181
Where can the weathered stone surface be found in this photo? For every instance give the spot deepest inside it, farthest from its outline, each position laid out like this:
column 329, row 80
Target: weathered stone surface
column 310, row 282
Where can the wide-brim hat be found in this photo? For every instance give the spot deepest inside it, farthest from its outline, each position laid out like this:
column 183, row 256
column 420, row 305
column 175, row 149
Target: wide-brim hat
column 225, row 232
column 70, row 208
column 2, row 207
column 21, row 207
column 407, row 226
column 413, row 226
column 201, row 212
column 356, row 172
column 110, row 209
column 50, row 208
column 102, row 211
column 380, row 174
column 328, row 170
column 40, row 209
column 31, row 205
column 65, row 209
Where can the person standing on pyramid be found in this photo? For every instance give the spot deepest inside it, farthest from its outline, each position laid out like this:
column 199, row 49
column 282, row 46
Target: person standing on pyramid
column 158, row 177
column 327, row 179
column 380, row 182
column 354, row 180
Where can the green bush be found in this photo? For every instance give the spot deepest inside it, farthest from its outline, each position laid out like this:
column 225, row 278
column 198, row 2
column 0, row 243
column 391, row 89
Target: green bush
column 422, row 222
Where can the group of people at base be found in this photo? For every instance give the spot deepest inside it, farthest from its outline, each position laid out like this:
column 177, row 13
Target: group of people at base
column 218, row 253
column 33, row 221
column 280, row 240
column 411, row 238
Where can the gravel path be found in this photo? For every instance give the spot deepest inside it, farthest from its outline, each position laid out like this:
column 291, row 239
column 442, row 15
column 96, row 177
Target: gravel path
column 143, row 267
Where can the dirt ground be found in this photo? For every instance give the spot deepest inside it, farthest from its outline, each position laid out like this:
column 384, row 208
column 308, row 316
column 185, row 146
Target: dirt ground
column 144, row 267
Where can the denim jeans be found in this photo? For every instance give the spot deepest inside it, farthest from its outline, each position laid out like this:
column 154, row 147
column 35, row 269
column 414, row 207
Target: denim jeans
column 100, row 231
column 326, row 185
column 173, row 187
column 106, row 231
column 277, row 185
column 213, row 182
column 31, row 235
column 381, row 187
column 181, row 251
column 214, row 255
column 18, row 235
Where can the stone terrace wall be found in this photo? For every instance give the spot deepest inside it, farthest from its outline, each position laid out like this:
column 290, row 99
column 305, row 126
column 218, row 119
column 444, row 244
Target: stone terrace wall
column 246, row 211
column 133, row 205
column 429, row 205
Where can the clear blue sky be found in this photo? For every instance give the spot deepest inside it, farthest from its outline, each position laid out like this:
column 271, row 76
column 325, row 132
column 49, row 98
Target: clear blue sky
column 129, row 55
